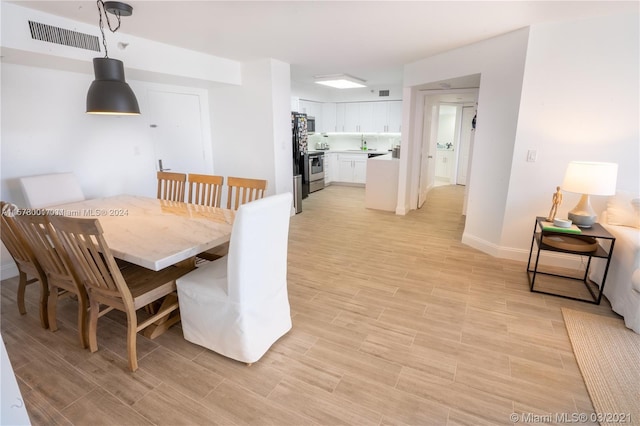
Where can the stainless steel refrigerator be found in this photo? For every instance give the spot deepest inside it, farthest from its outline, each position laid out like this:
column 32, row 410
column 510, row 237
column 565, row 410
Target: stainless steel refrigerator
column 300, row 154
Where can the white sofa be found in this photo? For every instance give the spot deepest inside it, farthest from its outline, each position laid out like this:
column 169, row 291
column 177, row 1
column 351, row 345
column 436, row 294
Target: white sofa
column 622, row 287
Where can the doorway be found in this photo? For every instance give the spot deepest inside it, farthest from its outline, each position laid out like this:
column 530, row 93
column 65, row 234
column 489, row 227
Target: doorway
column 178, row 130
column 447, row 138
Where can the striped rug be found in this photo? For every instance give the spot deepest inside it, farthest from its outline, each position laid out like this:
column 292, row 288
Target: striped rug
column 608, row 354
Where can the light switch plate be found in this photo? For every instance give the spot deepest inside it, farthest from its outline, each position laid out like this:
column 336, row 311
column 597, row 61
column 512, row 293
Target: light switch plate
column 532, row 154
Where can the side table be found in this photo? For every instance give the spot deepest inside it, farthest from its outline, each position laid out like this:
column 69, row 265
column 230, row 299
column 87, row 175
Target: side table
column 603, row 251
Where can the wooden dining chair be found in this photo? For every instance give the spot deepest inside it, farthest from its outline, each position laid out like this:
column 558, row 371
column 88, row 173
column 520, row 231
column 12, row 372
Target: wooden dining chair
column 205, row 190
column 171, row 186
column 126, row 290
column 54, row 261
column 29, row 269
column 244, row 190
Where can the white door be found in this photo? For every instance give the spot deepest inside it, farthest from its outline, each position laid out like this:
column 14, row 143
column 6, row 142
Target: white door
column 176, row 129
column 428, row 154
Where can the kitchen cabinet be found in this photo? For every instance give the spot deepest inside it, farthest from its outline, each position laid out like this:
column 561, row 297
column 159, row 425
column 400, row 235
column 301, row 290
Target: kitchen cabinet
column 358, row 117
column 363, row 117
column 329, row 115
column 352, row 168
column 394, row 119
column 330, row 167
column 313, row 109
column 445, row 163
column 340, row 117
column 387, row 117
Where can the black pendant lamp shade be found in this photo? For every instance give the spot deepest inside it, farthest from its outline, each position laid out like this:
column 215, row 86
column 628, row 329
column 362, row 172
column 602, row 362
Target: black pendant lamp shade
column 109, row 93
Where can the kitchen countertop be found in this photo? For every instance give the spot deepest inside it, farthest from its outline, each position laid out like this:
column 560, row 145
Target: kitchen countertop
column 385, row 157
column 349, row 151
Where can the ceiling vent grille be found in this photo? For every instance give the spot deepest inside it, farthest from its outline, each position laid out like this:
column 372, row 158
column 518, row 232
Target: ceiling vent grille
column 63, row 36
column 383, row 93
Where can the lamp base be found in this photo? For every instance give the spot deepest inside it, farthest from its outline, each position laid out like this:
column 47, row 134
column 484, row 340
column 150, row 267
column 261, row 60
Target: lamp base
column 582, row 220
column 583, row 215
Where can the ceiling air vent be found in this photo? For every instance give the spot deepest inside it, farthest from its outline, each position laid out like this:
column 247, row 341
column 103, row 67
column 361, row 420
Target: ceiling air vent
column 383, row 93
column 64, row 37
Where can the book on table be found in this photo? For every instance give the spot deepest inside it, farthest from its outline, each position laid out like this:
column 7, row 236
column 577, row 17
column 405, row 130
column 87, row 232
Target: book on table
column 549, row 226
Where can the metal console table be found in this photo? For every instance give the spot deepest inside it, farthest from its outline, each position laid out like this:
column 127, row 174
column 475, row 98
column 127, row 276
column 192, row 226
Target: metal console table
column 605, row 251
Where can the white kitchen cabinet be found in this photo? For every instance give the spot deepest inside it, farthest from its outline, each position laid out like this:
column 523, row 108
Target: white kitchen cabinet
column 380, row 116
column 330, row 167
column 360, row 170
column 313, row 109
column 387, row 117
column 363, row 117
column 328, row 118
column 355, row 117
column 394, row 119
column 352, row 168
column 351, row 117
column 358, row 117
column 340, row 117
column 445, row 162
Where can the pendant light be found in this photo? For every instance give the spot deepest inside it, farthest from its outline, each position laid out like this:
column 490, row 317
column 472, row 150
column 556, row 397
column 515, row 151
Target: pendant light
column 109, row 93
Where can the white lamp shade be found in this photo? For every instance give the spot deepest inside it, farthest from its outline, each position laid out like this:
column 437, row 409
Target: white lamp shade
column 592, row 178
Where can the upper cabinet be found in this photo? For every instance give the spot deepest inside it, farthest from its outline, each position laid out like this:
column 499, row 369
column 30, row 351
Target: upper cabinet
column 394, row 119
column 355, row 117
column 329, row 115
column 313, row 109
column 387, row 116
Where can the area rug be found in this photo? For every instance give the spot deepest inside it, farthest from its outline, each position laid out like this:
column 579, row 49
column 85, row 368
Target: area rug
column 608, row 354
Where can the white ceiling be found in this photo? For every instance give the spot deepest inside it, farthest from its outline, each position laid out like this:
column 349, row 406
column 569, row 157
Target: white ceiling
column 370, row 40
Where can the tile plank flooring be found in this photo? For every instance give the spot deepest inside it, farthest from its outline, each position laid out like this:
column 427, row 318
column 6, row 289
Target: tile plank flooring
column 395, row 322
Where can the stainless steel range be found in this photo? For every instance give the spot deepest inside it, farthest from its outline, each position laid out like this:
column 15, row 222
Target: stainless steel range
column 316, row 171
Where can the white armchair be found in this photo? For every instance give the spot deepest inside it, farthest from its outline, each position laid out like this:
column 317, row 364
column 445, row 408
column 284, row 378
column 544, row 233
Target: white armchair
column 238, row 305
column 50, row 190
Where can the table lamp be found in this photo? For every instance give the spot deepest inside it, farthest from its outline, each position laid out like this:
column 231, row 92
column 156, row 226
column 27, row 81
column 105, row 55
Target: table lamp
column 589, row 178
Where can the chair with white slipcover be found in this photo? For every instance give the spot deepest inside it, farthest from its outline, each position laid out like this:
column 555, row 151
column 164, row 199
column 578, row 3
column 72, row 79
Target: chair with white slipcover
column 51, row 189
column 238, row 305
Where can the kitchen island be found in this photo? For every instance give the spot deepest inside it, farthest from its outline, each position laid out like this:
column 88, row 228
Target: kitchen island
column 381, row 188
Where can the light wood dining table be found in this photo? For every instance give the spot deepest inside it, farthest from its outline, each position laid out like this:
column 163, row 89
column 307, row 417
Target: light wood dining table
column 154, row 233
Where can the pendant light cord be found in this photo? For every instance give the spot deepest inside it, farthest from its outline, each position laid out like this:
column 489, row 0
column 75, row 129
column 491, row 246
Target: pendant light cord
column 101, row 11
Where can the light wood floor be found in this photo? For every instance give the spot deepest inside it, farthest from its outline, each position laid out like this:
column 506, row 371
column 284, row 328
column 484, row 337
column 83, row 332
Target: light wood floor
column 395, row 322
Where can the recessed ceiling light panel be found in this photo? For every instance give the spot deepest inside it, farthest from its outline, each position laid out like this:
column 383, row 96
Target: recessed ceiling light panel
column 340, row 81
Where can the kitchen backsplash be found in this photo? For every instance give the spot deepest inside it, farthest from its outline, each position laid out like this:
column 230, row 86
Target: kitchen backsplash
column 346, row 141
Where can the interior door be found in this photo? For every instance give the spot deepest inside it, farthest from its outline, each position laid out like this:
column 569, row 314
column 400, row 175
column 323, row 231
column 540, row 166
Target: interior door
column 428, row 153
column 176, row 127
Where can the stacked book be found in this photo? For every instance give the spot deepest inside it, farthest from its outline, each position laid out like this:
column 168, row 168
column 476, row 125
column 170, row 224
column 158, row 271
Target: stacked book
column 549, row 226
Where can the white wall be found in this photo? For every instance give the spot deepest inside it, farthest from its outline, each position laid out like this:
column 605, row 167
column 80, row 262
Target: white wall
column 283, row 151
column 319, row 93
column 45, row 130
column 584, row 107
column 575, row 97
column 144, row 59
column 252, row 125
column 500, row 61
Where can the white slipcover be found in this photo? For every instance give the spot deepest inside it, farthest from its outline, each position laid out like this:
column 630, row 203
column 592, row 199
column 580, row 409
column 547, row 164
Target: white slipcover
column 622, row 286
column 50, row 190
column 238, row 305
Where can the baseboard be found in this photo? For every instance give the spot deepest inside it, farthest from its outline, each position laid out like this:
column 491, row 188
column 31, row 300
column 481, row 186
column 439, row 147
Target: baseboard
column 547, row 258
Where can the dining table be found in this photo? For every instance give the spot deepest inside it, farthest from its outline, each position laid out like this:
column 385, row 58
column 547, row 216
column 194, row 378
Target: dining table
column 154, row 233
